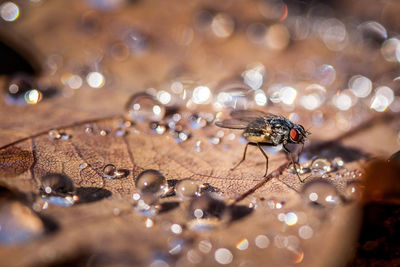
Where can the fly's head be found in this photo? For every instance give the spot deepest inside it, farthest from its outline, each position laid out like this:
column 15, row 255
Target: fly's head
column 298, row 135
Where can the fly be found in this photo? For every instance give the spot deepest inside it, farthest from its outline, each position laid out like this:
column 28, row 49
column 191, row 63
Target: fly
column 265, row 129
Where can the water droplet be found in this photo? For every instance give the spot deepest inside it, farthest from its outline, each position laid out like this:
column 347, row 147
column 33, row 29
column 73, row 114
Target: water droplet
column 196, row 121
column 337, row 163
column 234, row 95
column 54, row 135
column 57, row 184
column 187, row 189
column 144, row 107
column 146, row 204
column 18, row 223
column 89, row 129
column 181, row 136
column 83, row 165
column 20, row 90
column 353, row 191
column 207, row 206
column 58, row 189
column 151, row 181
column 223, row 256
column 158, row 128
column 320, row 193
column 275, row 204
column 321, row 166
column 111, row 172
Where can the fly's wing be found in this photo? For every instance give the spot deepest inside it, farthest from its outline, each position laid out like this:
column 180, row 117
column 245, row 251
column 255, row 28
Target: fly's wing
column 232, row 124
column 250, row 115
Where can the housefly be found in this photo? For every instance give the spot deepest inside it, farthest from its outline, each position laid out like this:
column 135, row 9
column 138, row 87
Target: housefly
column 265, row 129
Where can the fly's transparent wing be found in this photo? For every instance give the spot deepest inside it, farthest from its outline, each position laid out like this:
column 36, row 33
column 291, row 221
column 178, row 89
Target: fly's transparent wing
column 250, row 115
column 232, row 124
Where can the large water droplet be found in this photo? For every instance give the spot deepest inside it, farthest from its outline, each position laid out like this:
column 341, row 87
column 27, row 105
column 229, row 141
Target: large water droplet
column 151, row 181
column 18, row 223
column 187, row 189
column 234, row 95
column 57, row 184
column 207, row 206
column 321, row 194
column 144, row 107
column 58, row 189
column 321, row 166
column 353, row 191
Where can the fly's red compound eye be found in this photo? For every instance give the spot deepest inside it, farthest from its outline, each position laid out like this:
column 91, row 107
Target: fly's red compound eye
column 294, row 135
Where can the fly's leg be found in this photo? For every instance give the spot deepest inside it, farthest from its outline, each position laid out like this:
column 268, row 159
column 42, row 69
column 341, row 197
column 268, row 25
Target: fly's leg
column 243, row 158
column 293, row 162
column 266, row 157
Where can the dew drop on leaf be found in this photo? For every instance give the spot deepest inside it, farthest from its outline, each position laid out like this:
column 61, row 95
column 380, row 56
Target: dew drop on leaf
column 353, row 191
column 320, row 193
column 151, row 181
column 144, row 107
column 187, row 189
column 321, row 166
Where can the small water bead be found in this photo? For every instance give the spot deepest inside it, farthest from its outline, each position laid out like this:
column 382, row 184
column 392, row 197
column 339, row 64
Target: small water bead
column 353, row 191
column 321, row 166
column 54, row 135
column 144, row 107
column 109, row 170
column 337, row 163
column 187, row 189
column 151, row 181
column 320, row 193
column 181, row 136
column 18, row 223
